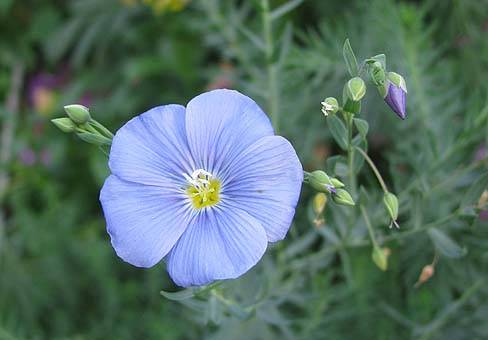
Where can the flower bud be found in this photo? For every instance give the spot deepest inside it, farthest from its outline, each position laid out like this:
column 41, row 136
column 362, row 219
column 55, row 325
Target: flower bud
column 329, row 106
column 319, row 202
column 377, row 73
column 427, row 273
column 93, row 138
column 396, row 94
column 391, row 204
column 380, row 257
column 355, row 89
column 64, row 124
column 336, row 183
column 341, row 196
column 78, row 113
column 320, row 181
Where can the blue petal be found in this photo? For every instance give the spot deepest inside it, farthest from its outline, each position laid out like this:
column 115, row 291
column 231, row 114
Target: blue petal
column 221, row 243
column 265, row 181
column 152, row 148
column 222, row 123
column 144, row 222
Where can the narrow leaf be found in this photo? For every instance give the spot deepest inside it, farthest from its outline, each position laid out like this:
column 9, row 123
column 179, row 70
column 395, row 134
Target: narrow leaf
column 475, row 190
column 362, row 127
column 338, row 131
column 179, row 295
column 285, row 8
column 350, row 59
column 445, row 245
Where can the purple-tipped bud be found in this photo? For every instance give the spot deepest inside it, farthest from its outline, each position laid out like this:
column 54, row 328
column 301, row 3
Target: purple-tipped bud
column 396, row 94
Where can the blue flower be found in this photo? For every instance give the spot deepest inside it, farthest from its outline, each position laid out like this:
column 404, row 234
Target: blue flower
column 206, row 188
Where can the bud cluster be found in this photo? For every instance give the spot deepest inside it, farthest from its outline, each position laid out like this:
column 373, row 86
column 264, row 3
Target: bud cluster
column 80, row 122
column 321, row 182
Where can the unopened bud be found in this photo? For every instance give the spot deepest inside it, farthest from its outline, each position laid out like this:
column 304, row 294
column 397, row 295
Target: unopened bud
column 342, row 197
column 64, row 124
column 319, row 202
column 377, row 73
column 94, row 138
column 329, row 106
column 395, row 96
column 78, row 113
column 320, row 181
column 380, row 257
column 336, row 183
column 425, row 275
column 391, row 204
column 355, row 89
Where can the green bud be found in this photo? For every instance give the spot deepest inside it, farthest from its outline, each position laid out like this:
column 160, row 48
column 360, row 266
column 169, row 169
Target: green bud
column 380, row 258
column 377, row 73
column 320, row 181
column 94, row 138
column 78, row 113
column 391, row 204
column 355, row 89
column 319, row 202
column 398, row 80
column 64, row 124
column 330, row 105
column 336, row 183
column 342, row 197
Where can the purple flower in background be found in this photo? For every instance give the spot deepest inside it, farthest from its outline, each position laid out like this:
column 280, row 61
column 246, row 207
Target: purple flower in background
column 206, row 187
column 27, row 157
column 396, row 94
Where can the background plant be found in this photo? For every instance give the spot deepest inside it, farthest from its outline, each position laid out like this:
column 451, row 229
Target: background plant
column 59, row 276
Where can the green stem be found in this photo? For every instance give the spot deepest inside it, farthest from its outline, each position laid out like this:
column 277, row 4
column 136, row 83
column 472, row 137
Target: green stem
column 374, row 168
column 273, row 95
column 102, row 129
column 368, row 224
column 350, row 152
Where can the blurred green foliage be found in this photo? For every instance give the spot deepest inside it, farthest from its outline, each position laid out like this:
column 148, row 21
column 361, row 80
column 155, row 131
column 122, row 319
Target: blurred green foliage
column 60, row 278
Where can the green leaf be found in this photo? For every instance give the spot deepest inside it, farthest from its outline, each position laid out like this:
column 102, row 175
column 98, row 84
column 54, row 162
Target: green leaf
column 350, row 59
column 338, row 130
column 474, row 192
column 362, row 127
column 179, row 295
column 445, row 245
column 190, row 292
column 285, row 8
column 381, row 58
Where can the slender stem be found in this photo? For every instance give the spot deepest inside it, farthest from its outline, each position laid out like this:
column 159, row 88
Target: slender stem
column 350, row 152
column 373, row 167
column 102, row 129
column 273, row 95
column 368, row 224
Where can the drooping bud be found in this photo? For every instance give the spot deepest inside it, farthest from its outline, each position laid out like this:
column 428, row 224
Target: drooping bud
column 78, row 113
column 319, row 202
column 380, row 257
column 425, row 275
column 330, row 105
column 64, row 124
column 320, row 181
column 342, row 197
column 355, row 89
column 391, row 204
column 396, row 94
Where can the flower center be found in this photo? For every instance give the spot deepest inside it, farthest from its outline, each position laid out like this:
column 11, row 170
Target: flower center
column 203, row 189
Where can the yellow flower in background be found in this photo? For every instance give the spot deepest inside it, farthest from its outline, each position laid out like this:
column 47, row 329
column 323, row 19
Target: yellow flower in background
column 159, row 6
